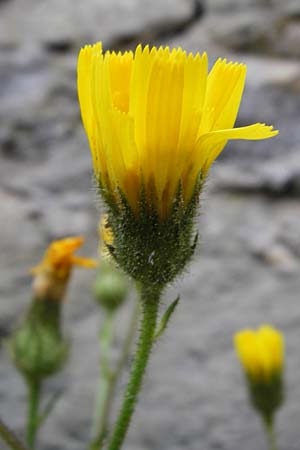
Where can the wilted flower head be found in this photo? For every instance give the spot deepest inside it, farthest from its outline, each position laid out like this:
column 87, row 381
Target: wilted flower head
column 261, row 352
column 156, row 119
column 52, row 274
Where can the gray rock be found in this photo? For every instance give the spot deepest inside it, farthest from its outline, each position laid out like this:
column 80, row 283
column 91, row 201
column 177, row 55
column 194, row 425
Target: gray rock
column 289, row 43
column 198, row 39
column 229, row 6
column 273, row 72
column 60, row 25
column 288, row 8
column 245, row 30
column 277, row 176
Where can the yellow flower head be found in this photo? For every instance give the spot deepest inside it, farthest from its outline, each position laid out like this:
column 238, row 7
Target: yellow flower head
column 156, row 119
column 52, row 274
column 261, row 352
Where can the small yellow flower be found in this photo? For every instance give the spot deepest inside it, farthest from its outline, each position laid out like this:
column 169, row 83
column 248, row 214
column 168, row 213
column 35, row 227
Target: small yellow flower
column 53, row 272
column 106, row 236
column 261, row 352
column 156, row 119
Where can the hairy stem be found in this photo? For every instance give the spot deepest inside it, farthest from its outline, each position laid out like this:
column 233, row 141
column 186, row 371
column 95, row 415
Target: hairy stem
column 150, row 303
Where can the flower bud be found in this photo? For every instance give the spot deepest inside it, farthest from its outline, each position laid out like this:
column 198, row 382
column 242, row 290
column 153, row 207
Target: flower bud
column 111, row 287
column 261, row 354
column 37, row 347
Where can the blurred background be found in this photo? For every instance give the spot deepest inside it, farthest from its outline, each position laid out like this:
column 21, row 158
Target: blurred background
column 247, row 270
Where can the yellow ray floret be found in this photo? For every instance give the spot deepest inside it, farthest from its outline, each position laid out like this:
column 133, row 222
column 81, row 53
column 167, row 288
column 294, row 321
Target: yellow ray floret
column 261, row 352
column 59, row 258
column 156, row 117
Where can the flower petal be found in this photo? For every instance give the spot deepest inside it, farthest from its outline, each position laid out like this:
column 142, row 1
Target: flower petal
column 89, row 263
column 84, row 83
column 214, row 142
column 225, row 85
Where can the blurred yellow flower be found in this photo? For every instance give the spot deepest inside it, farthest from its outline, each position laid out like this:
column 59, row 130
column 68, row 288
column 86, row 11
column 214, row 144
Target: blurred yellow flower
column 156, row 119
column 52, row 274
column 59, row 257
column 106, row 236
column 261, row 352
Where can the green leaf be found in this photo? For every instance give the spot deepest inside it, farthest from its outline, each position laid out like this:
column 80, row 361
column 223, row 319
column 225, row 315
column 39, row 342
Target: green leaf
column 48, row 409
column 165, row 319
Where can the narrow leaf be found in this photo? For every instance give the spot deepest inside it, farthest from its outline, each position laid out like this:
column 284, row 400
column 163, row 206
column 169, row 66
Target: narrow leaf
column 165, row 319
column 49, row 408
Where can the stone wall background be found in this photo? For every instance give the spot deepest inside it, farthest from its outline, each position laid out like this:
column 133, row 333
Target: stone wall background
column 247, row 271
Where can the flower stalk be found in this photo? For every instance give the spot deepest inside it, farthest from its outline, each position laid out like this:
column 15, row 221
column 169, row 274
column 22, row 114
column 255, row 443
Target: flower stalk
column 109, row 376
column 150, row 304
column 270, row 432
column 33, row 419
column 104, row 393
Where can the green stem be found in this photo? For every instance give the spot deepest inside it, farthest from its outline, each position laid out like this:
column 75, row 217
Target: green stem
column 107, row 386
column 104, row 389
column 270, row 432
column 128, row 340
column 9, row 438
column 150, row 304
column 34, row 390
